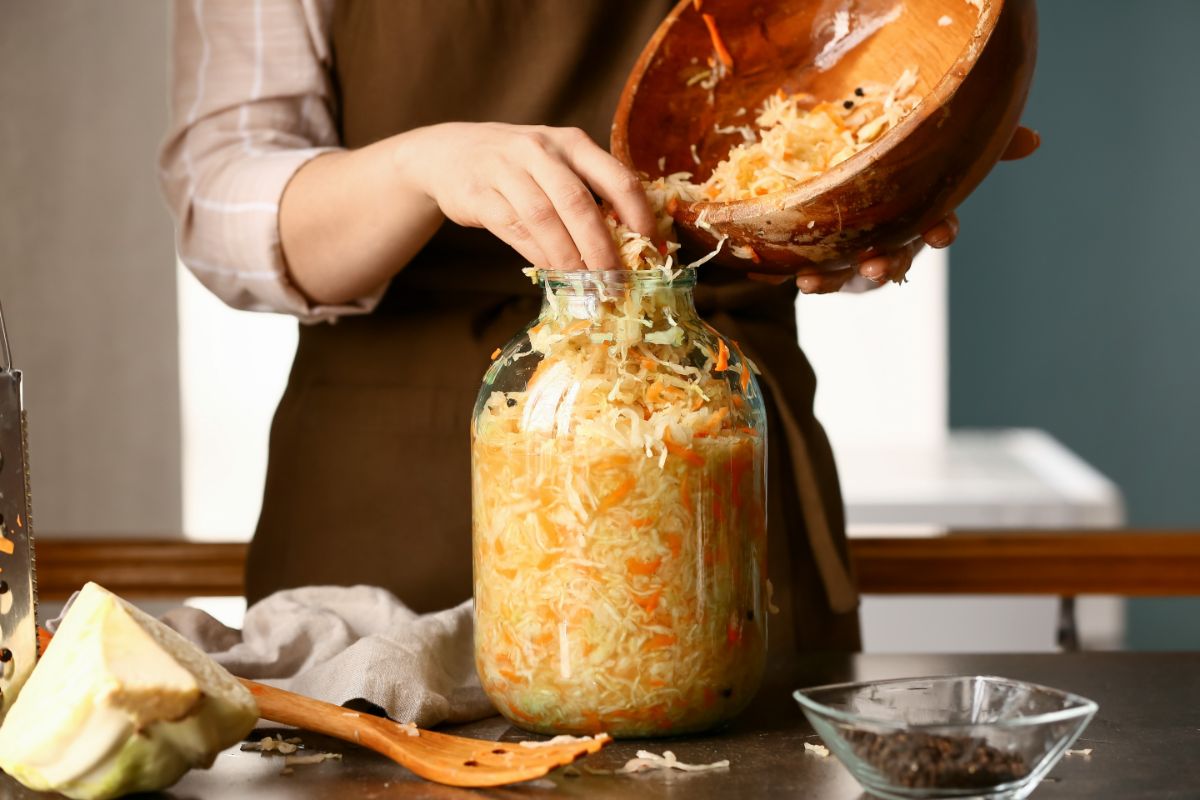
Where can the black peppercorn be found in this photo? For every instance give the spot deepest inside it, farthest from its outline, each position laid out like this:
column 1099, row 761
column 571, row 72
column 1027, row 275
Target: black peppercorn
column 5, row 655
column 922, row 760
column 859, row 91
column 848, row 104
column 3, row 587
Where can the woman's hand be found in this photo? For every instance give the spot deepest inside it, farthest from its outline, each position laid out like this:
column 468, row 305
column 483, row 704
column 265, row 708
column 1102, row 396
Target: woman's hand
column 894, row 266
column 530, row 186
column 350, row 220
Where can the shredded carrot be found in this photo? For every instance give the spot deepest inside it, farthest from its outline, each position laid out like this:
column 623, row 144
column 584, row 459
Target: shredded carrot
column 746, row 430
column 686, row 453
column 651, row 602
column 659, row 641
column 643, row 567
column 672, row 205
column 537, row 373
column 684, row 496
column 552, row 533
column 499, row 546
column 674, row 543
column 715, row 420
column 509, row 675
column 655, row 683
column 754, row 256
column 495, row 354
column 745, row 366
column 508, row 573
column 577, row 326
column 739, row 401
column 543, row 638
column 722, row 356
column 641, row 522
column 718, row 43
column 660, row 714
column 616, row 495
column 44, row 636
column 654, row 392
column 547, row 561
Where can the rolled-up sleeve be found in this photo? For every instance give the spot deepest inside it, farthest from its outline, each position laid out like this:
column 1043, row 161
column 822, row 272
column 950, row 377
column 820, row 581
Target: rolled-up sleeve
column 251, row 102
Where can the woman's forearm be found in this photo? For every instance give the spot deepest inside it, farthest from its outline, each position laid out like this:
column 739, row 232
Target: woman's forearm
column 348, row 221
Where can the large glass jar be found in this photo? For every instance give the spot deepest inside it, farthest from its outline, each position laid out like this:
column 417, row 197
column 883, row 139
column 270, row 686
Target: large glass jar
column 619, row 491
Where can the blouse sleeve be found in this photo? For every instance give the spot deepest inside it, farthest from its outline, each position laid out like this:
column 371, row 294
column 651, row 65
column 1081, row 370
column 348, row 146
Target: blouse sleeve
column 251, row 102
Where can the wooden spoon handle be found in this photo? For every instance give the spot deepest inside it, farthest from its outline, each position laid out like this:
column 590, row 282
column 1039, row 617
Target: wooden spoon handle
column 288, row 708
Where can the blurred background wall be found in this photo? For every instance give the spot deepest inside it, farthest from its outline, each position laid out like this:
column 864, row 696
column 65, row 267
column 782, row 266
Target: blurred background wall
column 1075, row 287
column 86, row 261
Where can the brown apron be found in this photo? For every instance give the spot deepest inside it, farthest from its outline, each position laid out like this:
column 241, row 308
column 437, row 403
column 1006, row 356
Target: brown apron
column 369, row 471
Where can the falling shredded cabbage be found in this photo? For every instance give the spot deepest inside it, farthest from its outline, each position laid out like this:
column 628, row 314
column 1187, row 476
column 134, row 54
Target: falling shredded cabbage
column 620, row 531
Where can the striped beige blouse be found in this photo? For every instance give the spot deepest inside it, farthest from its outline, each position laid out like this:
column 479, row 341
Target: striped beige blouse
column 251, row 102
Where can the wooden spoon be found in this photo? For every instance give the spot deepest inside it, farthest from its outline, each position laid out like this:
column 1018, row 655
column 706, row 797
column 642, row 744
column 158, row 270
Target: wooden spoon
column 974, row 64
column 453, row 760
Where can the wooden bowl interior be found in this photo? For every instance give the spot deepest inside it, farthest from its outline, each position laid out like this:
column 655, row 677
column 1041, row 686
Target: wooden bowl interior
column 781, row 45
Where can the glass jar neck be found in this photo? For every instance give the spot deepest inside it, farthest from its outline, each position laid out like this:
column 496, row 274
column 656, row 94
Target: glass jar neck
column 585, row 294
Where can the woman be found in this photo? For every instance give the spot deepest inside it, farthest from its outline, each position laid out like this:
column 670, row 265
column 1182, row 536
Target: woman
column 328, row 160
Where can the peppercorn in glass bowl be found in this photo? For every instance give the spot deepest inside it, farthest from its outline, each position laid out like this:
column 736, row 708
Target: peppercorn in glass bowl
column 947, row 737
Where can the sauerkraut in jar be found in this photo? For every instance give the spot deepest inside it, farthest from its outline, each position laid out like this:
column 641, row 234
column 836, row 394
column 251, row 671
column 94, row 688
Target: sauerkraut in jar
column 619, row 490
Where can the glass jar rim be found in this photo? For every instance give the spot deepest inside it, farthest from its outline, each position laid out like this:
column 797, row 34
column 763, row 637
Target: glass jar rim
column 682, row 277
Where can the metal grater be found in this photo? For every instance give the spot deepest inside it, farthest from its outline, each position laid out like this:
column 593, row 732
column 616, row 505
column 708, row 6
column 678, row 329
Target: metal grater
column 18, row 584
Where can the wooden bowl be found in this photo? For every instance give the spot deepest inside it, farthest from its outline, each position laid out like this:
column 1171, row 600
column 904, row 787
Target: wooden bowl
column 974, row 66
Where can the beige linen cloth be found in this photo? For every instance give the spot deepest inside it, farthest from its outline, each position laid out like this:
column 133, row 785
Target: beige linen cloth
column 356, row 646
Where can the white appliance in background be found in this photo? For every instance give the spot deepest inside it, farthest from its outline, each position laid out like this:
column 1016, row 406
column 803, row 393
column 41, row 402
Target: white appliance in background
column 881, row 359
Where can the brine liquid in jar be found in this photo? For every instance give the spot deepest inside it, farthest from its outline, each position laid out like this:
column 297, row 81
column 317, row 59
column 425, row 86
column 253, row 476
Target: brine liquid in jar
column 619, row 514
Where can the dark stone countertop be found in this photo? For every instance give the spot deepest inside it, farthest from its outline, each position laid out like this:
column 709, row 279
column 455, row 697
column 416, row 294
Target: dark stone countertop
column 1145, row 740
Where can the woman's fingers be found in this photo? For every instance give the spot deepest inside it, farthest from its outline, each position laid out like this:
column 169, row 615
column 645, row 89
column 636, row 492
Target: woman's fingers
column 944, row 233
column 541, row 220
column 824, row 282
column 890, row 266
column 578, row 213
column 498, row 216
column 1023, row 143
column 611, row 179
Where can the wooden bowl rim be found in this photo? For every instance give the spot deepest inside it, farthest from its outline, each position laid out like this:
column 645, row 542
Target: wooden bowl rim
column 733, row 210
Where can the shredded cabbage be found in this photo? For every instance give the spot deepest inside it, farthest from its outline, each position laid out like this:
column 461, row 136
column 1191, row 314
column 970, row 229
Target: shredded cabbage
column 620, row 531
column 797, row 139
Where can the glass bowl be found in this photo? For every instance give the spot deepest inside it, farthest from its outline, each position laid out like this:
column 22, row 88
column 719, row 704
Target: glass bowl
column 960, row 736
